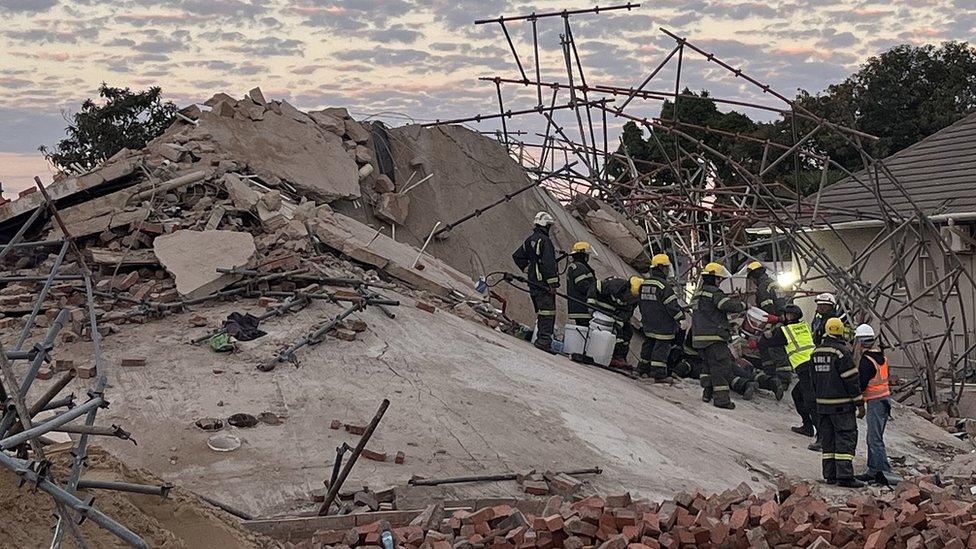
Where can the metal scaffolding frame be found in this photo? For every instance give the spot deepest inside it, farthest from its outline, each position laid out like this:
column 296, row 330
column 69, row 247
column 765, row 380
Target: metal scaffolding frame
column 703, row 216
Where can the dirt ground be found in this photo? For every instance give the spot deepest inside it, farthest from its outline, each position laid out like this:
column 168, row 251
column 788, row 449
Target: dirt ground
column 464, row 400
column 181, row 520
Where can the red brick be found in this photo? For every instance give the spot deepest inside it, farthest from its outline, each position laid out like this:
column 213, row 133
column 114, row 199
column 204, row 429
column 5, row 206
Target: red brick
column 554, row 522
column 125, row 282
column 375, row 456
column 739, row 520
column 535, row 488
column 426, row 307
column 198, row 320
column 617, row 500
column 625, row 517
column 45, row 373
column 85, row 372
column 343, row 334
column 335, row 425
column 356, row 429
column 133, row 362
column 399, row 459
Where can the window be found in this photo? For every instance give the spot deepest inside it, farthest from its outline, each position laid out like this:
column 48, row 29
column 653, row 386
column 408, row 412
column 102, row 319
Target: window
column 927, row 273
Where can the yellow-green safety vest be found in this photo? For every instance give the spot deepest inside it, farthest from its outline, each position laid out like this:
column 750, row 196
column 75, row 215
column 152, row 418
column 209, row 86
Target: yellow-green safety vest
column 799, row 343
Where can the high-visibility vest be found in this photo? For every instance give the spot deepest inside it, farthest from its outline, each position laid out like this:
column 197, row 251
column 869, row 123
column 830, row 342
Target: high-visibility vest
column 878, row 386
column 799, row 343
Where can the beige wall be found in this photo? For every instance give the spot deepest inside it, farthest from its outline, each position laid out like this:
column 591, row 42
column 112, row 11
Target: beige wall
column 835, row 246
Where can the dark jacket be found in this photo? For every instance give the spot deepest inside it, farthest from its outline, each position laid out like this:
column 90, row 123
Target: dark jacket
column 660, row 309
column 612, row 297
column 835, row 377
column 536, row 257
column 579, row 278
column 767, row 298
column 710, row 316
column 819, row 324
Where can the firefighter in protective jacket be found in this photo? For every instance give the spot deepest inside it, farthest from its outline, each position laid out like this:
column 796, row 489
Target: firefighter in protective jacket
column 579, row 278
column 617, row 298
column 711, row 333
column 838, row 396
column 536, row 257
column 661, row 317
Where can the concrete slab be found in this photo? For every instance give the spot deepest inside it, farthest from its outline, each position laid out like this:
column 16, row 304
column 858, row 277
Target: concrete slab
column 193, row 257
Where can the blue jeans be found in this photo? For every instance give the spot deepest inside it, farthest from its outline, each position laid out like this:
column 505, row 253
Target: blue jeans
column 878, row 412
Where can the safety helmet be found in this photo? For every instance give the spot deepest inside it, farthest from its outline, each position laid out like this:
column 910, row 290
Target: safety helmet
column 826, row 299
column 716, row 269
column 834, row 327
column 661, row 259
column 544, row 219
column 793, row 310
column 635, row 284
column 582, row 248
column 754, row 266
column 864, row 332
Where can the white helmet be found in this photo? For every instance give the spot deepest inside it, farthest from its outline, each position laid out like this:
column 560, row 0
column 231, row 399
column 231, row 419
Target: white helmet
column 544, row 219
column 864, row 332
column 826, row 299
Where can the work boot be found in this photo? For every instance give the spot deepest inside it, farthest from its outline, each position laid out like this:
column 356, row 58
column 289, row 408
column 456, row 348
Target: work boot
column 750, row 391
column 829, row 481
column 547, row 347
column 778, row 390
column 865, row 477
column 724, row 405
column 850, row 483
column 707, row 394
column 621, row 364
column 805, row 430
column 815, row 447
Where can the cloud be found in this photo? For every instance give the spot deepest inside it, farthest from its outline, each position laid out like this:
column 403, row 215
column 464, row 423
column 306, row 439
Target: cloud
column 27, row 6
column 269, row 45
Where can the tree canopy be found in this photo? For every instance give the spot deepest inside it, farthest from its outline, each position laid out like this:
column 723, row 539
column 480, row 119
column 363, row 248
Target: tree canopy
column 901, row 96
column 121, row 119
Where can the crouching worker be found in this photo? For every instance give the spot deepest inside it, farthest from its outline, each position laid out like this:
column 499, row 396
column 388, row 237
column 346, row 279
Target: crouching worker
column 617, row 298
column 661, row 317
column 835, row 382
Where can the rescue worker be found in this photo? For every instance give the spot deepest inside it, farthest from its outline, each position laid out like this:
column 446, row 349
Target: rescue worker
column 687, row 363
column 617, row 298
column 767, row 298
column 661, row 316
column 536, row 257
column 775, row 373
column 711, row 333
column 873, row 376
column 826, row 309
column 796, row 340
column 838, row 396
column 579, row 278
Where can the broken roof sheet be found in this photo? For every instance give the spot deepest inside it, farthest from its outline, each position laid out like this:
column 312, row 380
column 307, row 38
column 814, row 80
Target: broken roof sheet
column 938, row 172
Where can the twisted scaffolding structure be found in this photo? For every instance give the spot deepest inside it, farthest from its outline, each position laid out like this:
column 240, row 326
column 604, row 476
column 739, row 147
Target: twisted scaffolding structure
column 23, row 436
column 702, row 204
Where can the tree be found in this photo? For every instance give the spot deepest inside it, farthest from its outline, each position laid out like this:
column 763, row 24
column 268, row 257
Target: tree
column 123, row 119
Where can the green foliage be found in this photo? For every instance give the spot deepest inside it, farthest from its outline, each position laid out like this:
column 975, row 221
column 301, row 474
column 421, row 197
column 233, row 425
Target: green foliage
column 901, row 96
column 124, row 119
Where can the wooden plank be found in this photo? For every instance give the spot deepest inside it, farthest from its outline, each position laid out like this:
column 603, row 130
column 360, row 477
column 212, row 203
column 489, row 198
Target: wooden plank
column 130, row 258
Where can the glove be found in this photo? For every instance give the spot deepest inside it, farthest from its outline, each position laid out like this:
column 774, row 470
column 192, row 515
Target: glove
column 860, row 411
column 753, row 344
column 772, row 319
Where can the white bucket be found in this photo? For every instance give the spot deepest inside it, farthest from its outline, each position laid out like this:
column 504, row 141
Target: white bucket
column 574, row 339
column 601, row 321
column 599, row 346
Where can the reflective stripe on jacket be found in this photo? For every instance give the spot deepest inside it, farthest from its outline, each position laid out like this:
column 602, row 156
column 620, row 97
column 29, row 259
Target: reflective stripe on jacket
column 878, row 386
column 799, row 343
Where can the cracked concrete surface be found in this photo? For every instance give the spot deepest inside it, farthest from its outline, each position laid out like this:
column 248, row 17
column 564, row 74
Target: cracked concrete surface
column 464, row 400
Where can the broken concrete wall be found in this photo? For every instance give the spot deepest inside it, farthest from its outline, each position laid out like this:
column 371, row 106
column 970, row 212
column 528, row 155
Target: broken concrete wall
column 612, row 228
column 469, row 170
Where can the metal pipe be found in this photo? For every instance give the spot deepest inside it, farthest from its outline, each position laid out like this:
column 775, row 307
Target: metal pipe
column 334, row 488
column 498, row 477
column 562, row 13
column 232, row 510
column 51, row 424
column 162, row 490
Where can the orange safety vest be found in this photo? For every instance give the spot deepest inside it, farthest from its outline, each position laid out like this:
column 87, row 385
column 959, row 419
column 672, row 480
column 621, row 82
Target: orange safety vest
column 878, row 386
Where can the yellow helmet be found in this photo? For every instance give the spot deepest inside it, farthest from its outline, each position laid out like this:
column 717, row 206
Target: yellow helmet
column 716, row 269
column 834, row 327
column 661, row 259
column 582, row 247
column 635, row 284
column 753, row 266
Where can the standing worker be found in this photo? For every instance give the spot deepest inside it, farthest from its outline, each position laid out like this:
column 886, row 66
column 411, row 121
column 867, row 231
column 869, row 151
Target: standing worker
column 873, row 376
column 617, row 298
column 661, row 316
column 767, row 297
column 835, row 381
column 826, row 309
column 536, row 257
column 711, row 333
column 796, row 340
column 579, row 278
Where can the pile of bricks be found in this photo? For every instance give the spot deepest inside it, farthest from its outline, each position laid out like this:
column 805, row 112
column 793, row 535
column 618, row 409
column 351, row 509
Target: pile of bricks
column 918, row 514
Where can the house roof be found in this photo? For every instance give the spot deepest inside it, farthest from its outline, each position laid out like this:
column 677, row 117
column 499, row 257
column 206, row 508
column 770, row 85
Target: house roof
column 938, row 172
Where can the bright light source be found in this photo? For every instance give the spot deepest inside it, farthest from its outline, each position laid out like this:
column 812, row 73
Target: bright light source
column 786, row 280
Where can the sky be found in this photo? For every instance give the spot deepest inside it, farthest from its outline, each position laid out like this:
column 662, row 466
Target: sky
column 417, row 60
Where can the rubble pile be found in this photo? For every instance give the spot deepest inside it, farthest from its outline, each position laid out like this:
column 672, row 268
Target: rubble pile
column 919, row 513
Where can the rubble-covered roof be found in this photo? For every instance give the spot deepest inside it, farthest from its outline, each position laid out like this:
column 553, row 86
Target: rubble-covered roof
column 938, row 173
